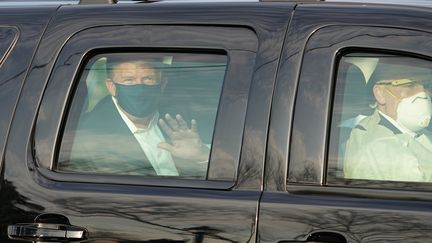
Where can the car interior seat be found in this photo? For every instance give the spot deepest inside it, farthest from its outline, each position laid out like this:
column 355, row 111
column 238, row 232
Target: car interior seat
column 351, row 105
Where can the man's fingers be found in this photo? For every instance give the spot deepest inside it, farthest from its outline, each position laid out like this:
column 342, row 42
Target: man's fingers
column 181, row 122
column 172, row 122
column 168, row 147
column 165, row 127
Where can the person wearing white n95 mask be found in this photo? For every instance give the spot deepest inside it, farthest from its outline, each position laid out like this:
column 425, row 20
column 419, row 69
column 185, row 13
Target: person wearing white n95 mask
column 393, row 144
column 415, row 112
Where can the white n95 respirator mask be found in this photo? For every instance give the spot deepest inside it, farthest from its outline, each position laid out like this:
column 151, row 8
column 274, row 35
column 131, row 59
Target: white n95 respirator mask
column 415, row 112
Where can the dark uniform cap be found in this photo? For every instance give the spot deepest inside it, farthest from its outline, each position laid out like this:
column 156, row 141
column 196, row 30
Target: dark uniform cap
column 397, row 70
column 402, row 68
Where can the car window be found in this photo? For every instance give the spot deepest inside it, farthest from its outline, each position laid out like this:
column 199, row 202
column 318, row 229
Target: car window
column 145, row 114
column 380, row 128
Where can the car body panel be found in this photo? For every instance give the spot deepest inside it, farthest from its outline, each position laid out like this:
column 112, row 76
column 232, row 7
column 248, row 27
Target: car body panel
column 299, row 199
column 273, row 123
column 162, row 210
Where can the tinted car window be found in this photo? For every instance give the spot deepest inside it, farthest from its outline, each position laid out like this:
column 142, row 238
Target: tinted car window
column 150, row 114
column 381, row 119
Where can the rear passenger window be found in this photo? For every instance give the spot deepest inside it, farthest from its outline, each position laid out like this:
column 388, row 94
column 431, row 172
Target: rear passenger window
column 148, row 114
column 381, row 129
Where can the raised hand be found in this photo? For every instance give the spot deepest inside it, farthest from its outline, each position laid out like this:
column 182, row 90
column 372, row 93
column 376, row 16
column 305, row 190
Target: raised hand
column 185, row 143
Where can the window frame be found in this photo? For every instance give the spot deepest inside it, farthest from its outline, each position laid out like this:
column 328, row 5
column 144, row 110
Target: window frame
column 66, row 73
column 12, row 38
column 324, row 47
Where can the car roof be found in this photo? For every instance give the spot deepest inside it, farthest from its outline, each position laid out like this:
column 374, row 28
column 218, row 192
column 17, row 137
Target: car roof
column 425, row 3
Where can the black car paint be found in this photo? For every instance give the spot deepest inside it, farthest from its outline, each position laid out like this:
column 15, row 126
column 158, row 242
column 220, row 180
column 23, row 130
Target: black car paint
column 164, row 209
column 298, row 205
column 174, row 210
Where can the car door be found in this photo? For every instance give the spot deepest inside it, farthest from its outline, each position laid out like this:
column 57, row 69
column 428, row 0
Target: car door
column 217, row 69
column 325, row 88
column 20, row 32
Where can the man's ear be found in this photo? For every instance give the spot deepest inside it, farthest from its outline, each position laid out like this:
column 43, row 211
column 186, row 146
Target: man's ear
column 378, row 92
column 110, row 86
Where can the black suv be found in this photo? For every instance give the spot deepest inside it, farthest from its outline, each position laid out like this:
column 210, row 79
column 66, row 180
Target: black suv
column 170, row 121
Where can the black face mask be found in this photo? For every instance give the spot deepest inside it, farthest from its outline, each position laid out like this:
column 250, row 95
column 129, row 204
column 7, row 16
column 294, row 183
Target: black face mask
column 139, row 100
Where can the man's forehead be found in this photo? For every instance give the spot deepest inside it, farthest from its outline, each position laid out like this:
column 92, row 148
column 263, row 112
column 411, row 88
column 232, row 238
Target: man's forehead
column 133, row 67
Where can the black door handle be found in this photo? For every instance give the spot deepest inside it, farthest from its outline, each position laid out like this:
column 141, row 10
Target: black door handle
column 45, row 231
column 326, row 237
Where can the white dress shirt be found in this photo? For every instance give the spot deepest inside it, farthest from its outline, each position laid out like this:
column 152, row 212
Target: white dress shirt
column 148, row 139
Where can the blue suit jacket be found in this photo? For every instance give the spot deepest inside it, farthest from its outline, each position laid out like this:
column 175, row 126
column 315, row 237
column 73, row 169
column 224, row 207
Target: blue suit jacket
column 104, row 144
